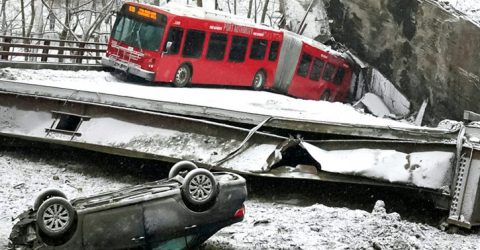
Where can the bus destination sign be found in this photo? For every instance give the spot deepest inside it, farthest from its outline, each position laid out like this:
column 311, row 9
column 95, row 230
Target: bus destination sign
column 143, row 12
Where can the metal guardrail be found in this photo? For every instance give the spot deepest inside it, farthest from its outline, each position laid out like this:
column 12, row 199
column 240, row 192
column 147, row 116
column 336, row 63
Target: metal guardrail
column 41, row 53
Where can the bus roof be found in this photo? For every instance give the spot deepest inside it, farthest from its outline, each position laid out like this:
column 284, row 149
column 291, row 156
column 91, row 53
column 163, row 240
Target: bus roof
column 215, row 15
column 211, row 15
column 220, row 16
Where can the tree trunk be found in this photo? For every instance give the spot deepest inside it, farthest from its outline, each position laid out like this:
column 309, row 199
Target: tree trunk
column 38, row 30
column 234, row 7
column 199, row 3
column 249, row 8
column 264, row 12
column 281, row 9
column 4, row 17
column 22, row 10
column 32, row 18
column 64, row 34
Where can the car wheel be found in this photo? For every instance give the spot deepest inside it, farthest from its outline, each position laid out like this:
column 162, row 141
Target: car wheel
column 46, row 194
column 55, row 216
column 182, row 76
column 259, row 80
column 325, row 96
column 199, row 188
column 181, row 167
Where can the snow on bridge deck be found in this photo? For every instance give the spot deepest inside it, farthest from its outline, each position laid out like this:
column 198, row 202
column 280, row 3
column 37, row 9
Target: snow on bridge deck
column 256, row 102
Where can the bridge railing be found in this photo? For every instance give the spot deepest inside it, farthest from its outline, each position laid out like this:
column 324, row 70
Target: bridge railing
column 16, row 51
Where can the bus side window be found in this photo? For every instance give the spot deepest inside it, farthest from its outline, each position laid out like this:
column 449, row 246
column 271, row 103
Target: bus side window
column 328, row 72
column 259, row 47
column 273, row 54
column 316, row 69
column 217, row 46
column 238, row 49
column 339, row 76
column 304, row 65
column 174, row 37
column 193, row 43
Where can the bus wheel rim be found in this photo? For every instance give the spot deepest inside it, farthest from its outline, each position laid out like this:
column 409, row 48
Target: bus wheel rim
column 181, row 75
column 258, row 80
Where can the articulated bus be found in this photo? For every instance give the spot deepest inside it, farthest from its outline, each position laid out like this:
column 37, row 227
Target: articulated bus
column 184, row 45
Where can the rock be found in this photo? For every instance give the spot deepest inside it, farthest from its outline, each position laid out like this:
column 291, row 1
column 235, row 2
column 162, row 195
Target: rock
column 379, row 208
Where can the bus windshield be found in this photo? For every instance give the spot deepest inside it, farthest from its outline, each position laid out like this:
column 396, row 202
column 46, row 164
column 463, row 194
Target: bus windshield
column 138, row 33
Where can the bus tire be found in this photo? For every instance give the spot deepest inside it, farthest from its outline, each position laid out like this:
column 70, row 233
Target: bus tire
column 182, row 76
column 259, row 80
column 325, row 96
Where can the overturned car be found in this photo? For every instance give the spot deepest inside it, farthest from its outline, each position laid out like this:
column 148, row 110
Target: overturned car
column 175, row 213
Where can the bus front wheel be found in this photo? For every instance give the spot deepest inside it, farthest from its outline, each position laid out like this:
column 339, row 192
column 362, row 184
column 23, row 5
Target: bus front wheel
column 182, row 76
column 259, row 80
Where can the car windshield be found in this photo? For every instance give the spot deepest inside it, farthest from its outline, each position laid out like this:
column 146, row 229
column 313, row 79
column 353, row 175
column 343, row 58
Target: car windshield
column 139, row 34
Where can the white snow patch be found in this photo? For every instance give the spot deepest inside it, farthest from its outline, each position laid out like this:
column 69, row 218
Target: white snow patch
column 422, row 169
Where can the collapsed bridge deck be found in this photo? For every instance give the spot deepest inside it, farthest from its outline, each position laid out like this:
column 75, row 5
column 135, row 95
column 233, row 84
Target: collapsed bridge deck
column 150, row 122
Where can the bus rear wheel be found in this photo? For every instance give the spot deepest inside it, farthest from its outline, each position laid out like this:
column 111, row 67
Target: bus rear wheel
column 182, row 76
column 259, row 80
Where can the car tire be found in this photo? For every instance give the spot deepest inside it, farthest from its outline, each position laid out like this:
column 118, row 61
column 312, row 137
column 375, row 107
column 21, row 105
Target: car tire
column 199, row 188
column 55, row 217
column 182, row 76
column 45, row 195
column 181, row 167
column 325, row 96
column 259, row 80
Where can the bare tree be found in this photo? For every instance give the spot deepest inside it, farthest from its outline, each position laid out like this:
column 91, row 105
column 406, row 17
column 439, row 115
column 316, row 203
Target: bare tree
column 4, row 17
column 281, row 9
column 32, row 18
column 199, row 3
column 22, row 11
column 249, row 8
column 264, row 12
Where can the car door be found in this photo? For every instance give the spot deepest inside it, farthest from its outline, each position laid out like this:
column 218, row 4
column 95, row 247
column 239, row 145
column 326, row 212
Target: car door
column 116, row 228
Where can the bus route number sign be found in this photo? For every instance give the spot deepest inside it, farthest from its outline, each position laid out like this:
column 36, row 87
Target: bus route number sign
column 143, row 12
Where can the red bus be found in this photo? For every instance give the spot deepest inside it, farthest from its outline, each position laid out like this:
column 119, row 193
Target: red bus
column 188, row 45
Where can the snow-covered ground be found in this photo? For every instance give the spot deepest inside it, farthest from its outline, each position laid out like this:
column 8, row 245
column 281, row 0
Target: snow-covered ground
column 471, row 8
column 258, row 102
column 267, row 225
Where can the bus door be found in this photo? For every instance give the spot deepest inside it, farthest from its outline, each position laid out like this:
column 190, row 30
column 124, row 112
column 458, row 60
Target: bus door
column 170, row 57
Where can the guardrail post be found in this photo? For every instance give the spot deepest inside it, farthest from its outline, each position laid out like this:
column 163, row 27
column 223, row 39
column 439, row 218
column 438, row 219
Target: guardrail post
column 60, row 51
column 45, row 51
column 6, row 48
column 80, row 52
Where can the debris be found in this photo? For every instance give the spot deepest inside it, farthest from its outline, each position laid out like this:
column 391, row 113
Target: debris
column 374, row 105
column 379, row 208
column 263, row 221
column 421, row 113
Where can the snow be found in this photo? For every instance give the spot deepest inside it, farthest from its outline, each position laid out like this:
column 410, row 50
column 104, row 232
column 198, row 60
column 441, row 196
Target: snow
column 471, row 8
column 267, row 225
column 422, row 169
column 257, row 102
